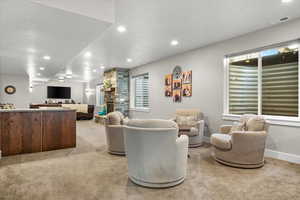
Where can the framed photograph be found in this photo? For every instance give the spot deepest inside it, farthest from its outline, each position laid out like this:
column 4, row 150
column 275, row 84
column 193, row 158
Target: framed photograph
column 177, row 84
column 187, row 77
column 168, row 79
column 177, row 96
column 177, row 72
column 186, row 90
column 168, row 91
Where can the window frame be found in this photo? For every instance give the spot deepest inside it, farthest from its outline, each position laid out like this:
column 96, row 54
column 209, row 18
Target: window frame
column 272, row 119
column 133, row 94
column 98, row 95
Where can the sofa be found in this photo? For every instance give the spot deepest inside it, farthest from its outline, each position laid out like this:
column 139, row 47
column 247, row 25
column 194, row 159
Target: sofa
column 156, row 156
column 114, row 123
column 83, row 111
column 242, row 144
column 190, row 123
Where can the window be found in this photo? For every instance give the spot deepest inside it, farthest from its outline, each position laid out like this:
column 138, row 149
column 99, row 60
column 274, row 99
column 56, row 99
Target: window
column 264, row 82
column 99, row 95
column 140, row 89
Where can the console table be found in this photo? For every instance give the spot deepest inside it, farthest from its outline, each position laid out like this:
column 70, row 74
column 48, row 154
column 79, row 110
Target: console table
column 36, row 130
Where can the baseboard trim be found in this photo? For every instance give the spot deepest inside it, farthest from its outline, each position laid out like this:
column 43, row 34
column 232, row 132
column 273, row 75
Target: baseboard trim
column 293, row 158
column 282, row 156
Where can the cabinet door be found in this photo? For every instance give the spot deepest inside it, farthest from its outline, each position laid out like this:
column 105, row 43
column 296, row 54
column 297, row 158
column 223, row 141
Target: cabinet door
column 21, row 132
column 59, row 130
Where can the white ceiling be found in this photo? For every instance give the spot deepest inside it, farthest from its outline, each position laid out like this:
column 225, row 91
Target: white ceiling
column 30, row 31
column 98, row 9
column 151, row 25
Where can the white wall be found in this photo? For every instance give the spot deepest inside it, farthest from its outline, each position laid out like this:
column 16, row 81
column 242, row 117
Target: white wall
column 39, row 93
column 91, row 98
column 207, row 66
column 22, row 98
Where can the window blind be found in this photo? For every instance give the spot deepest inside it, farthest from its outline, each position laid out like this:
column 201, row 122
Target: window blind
column 280, row 89
column 142, row 91
column 243, row 89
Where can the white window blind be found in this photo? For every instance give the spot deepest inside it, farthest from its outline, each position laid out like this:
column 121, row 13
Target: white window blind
column 141, row 98
column 280, row 89
column 243, row 90
column 265, row 82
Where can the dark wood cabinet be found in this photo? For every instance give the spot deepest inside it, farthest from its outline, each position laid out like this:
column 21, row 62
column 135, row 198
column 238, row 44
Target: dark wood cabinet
column 58, row 129
column 35, row 131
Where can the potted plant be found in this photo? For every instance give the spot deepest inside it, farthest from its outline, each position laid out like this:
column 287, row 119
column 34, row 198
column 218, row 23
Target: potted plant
column 107, row 85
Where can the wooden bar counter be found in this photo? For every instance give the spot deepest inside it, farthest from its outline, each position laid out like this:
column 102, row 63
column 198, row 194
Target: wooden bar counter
column 36, row 130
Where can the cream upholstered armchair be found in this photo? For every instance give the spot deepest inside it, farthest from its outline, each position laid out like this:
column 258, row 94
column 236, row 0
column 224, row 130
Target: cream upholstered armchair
column 114, row 122
column 156, row 156
column 191, row 123
column 243, row 144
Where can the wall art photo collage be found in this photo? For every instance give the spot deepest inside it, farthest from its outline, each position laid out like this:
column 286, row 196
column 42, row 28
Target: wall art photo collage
column 178, row 85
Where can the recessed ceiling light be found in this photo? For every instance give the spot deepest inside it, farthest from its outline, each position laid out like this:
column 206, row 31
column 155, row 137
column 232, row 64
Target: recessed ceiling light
column 88, row 54
column 102, row 67
column 47, row 57
column 129, row 60
column 286, row 1
column 174, row 42
column 42, row 68
column 121, row 29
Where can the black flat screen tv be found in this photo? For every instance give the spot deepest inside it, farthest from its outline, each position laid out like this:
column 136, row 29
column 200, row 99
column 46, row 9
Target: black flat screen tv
column 54, row 92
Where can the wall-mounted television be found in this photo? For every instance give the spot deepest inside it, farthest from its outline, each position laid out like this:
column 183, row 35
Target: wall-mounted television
column 54, row 92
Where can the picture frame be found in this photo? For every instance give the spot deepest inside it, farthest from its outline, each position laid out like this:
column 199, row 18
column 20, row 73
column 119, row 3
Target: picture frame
column 186, row 90
column 168, row 91
column 177, row 84
column 187, row 77
column 177, row 96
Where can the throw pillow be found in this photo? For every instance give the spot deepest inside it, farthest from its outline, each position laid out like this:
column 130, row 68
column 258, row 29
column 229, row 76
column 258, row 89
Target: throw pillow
column 256, row 123
column 186, row 122
column 237, row 127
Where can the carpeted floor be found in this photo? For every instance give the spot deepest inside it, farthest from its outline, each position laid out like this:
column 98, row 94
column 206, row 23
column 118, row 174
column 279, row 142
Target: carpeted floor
column 89, row 172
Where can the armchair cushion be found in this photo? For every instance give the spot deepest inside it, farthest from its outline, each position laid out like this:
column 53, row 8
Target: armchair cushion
column 246, row 117
column 189, row 131
column 152, row 123
column 115, row 118
column 237, row 127
column 221, row 141
column 186, row 120
column 225, row 129
column 256, row 123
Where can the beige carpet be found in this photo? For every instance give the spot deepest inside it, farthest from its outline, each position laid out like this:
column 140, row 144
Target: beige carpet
column 89, row 172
